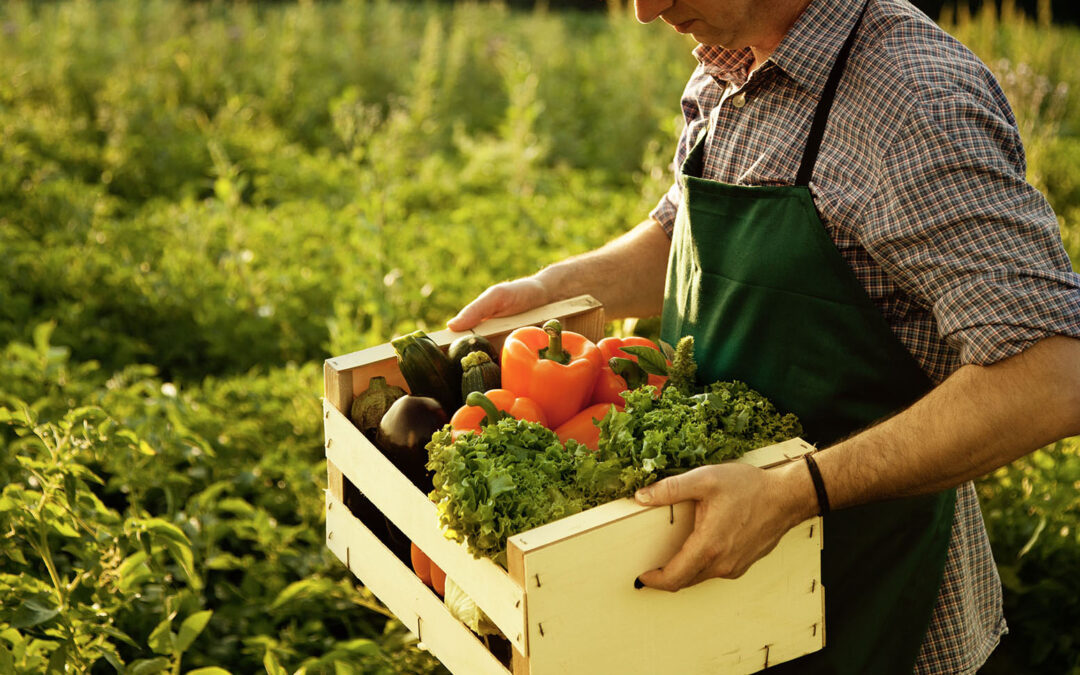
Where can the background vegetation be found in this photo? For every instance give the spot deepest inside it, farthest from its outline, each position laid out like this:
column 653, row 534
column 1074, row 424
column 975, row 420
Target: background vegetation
column 199, row 203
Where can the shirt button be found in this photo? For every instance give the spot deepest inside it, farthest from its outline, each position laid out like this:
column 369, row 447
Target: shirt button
column 738, row 100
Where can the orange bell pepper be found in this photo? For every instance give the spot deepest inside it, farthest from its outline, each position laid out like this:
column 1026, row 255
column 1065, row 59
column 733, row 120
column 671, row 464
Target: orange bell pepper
column 555, row 368
column 425, row 568
column 582, row 426
column 608, row 384
column 495, row 403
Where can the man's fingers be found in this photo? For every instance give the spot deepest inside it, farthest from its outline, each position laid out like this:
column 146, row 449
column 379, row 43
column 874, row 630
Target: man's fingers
column 686, row 566
column 510, row 297
column 486, row 305
column 693, row 484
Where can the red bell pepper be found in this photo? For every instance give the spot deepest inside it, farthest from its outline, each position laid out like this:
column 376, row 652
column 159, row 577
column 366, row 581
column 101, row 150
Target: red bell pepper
column 582, row 428
column 555, row 368
column 495, row 403
column 608, row 384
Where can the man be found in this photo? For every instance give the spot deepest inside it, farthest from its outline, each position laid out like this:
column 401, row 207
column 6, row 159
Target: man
column 850, row 233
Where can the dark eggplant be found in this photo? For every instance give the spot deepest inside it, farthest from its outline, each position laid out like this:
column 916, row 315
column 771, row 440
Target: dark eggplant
column 403, row 433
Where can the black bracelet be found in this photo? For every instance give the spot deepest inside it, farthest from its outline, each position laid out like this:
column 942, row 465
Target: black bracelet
column 819, row 485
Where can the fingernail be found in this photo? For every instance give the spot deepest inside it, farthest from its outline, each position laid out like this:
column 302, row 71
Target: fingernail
column 638, row 584
column 643, row 496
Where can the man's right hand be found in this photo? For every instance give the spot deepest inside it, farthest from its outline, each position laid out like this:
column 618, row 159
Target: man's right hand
column 504, row 299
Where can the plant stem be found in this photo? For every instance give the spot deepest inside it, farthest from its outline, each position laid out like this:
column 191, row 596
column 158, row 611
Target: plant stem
column 554, row 351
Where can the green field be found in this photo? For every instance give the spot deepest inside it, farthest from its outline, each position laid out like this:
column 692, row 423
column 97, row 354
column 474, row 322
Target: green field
column 201, row 202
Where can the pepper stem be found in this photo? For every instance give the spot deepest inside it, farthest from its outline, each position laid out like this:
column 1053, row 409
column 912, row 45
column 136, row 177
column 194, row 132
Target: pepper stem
column 630, row 371
column 554, row 351
column 493, row 415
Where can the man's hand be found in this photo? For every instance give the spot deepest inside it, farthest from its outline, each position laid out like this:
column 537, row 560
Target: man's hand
column 626, row 274
column 509, row 297
column 741, row 512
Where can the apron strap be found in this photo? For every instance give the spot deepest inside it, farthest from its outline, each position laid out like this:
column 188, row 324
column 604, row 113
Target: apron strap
column 821, row 113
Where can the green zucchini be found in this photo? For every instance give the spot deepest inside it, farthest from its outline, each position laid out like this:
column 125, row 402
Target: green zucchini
column 480, row 374
column 428, row 370
column 467, row 344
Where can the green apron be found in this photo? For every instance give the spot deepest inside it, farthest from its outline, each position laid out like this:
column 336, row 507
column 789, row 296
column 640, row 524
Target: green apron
column 755, row 278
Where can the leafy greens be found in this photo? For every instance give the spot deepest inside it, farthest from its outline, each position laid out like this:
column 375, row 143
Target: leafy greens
column 517, row 475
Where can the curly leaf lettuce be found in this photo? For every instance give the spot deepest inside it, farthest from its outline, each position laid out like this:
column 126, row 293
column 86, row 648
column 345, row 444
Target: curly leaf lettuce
column 516, row 475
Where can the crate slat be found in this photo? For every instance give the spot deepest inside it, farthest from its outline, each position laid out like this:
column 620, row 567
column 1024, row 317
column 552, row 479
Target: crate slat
column 769, row 615
column 405, row 595
column 582, row 314
column 408, row 508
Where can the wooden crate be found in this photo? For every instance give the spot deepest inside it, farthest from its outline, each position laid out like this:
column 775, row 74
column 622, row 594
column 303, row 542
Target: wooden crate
column 567, row 603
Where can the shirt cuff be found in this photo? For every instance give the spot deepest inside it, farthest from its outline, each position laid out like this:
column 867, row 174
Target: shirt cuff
column 997, row 318
column 665, row 210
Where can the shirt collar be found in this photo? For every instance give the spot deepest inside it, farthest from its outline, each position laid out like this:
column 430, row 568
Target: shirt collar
column 806, row 53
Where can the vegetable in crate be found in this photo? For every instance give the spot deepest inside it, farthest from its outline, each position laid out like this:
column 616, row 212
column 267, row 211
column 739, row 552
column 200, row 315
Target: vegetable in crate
column 479, row 373
column 517, row 475
column 609, row 384
column 426, row 569
column 370, row 406
column 583, row 427
column 428, row 370
column 467, row 611
column 513, row 477
column 467, row 344
column 404, row 431
column 483, row 409
column 555, row 368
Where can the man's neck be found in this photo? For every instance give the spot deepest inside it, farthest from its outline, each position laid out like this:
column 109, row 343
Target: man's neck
column 787, row 12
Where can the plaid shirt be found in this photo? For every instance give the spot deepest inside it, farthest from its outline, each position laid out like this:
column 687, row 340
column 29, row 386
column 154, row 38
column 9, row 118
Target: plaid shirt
column 921, row 184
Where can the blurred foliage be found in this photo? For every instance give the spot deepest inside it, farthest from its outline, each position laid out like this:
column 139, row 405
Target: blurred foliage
column 201, row 201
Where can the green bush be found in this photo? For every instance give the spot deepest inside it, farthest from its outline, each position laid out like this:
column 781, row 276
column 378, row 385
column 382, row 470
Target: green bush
column 201, row 201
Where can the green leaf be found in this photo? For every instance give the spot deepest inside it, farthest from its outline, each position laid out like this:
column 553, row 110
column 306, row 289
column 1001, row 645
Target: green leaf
column 669, row 351
column 16, row 555
column 210, row 670
column 148, row 666
column 650, row 360
column 272, row 666
column 58, row 659
column 162, row 640
column 344, row 668
column 113, row 659
column 302, row 589
column 131, row 563
column 191, row 627
column 162, row 529
column 7, row 660
column 42, row 334
column 31, row 613
column 71, row 490
column 119, row 635
column 184, row 558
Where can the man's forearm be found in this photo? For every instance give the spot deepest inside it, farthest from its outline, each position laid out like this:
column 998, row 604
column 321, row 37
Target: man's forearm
column 980, row 418
column 627, row 274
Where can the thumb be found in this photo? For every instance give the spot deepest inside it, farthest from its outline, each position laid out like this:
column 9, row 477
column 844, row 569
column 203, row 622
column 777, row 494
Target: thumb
column 689, row 485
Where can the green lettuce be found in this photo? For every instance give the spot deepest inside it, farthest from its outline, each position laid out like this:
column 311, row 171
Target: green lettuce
column 517, row 475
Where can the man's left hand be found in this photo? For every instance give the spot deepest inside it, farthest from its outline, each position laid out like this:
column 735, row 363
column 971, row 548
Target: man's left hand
column 740, row 514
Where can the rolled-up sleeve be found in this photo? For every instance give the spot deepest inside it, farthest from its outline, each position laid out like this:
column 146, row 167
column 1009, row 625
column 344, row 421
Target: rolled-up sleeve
column 957, row 226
